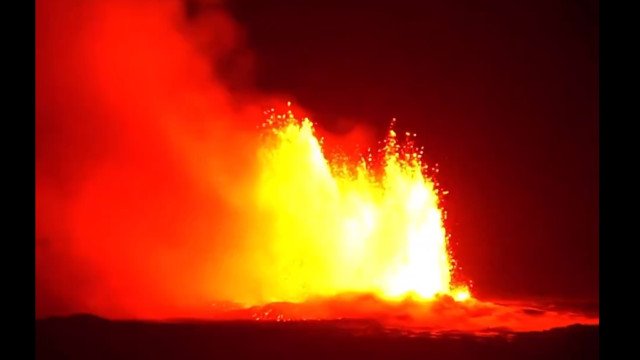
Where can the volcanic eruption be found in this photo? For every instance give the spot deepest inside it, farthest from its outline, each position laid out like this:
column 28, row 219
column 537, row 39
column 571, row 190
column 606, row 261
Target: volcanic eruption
column 163, row 192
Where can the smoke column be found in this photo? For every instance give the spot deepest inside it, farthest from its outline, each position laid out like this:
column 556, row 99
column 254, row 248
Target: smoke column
column 142, row 159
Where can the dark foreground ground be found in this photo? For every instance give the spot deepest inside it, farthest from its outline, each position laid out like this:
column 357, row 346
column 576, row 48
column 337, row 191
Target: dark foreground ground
column 88, row 337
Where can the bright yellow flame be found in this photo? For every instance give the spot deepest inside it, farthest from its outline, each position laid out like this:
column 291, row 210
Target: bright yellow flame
column 461, row 294
column 343, row 228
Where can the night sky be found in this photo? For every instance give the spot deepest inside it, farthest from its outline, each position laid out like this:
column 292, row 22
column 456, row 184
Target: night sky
column 503, row 96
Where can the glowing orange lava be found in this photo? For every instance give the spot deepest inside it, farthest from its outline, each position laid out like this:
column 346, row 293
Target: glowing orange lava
column 338, row 226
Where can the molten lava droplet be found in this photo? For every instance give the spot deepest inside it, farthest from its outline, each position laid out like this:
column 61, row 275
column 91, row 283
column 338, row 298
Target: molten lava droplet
column 337, row 226
column 461, row 294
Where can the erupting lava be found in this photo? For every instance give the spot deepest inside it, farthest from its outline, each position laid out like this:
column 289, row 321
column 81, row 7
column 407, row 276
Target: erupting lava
column 371, row 226
column 157, row 197
column 363, row 240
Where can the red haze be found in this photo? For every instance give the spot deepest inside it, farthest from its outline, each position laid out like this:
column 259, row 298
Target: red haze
column 140, row 159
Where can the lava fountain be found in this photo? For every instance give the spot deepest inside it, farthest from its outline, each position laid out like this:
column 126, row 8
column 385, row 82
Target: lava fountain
column 364, row 239
column 370, row 226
